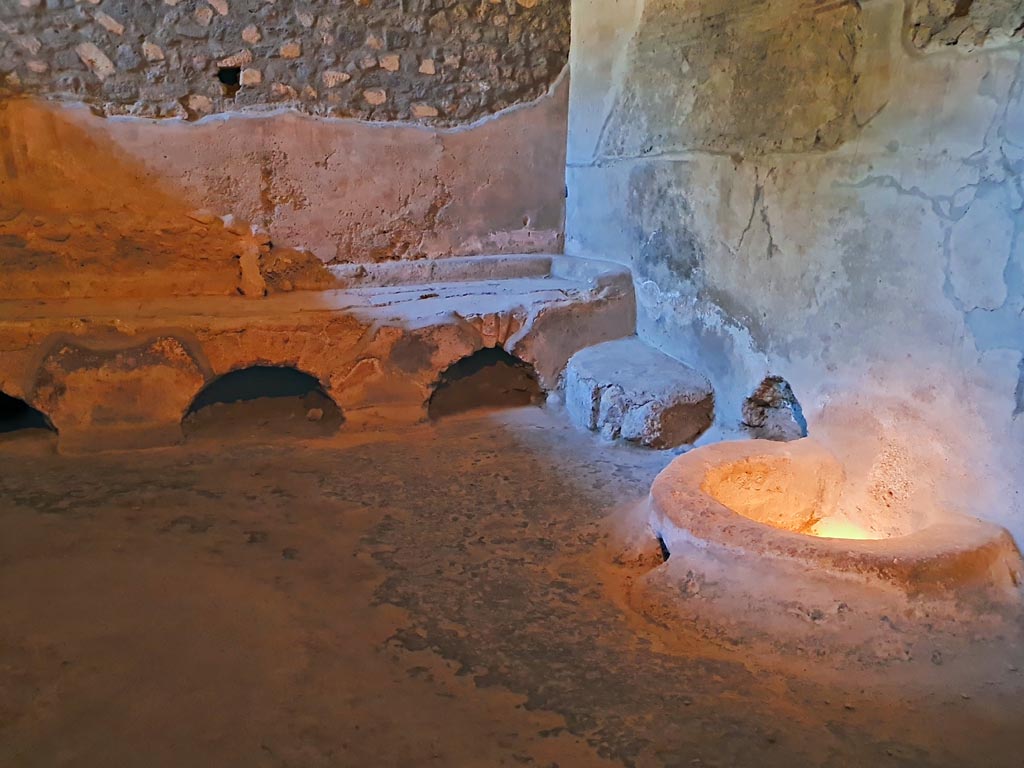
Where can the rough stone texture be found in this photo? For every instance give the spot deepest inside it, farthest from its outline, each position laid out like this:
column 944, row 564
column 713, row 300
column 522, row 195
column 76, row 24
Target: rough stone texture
column 696, row 78
column 966, row 24
column 774, row 413
column 439, row 62
column 491, row 378
column 378, row 348
column 116, row 391
column 626, row 389
column 437, row 595
column 93, row 207
column 76, row 219
column 882, row 278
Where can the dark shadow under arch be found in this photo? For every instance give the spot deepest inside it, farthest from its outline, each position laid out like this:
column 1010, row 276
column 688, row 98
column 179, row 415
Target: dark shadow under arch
column 264, row 401
column 490, row 378
column 17, row 415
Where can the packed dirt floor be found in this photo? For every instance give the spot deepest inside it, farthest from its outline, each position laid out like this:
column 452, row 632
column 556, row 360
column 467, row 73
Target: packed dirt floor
column 437, row 596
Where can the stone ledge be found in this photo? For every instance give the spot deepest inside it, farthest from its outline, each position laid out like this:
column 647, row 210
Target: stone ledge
column 124, row 368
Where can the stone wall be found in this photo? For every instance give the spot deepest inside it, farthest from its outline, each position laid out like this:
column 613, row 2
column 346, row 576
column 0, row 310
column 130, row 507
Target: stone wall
column 821, row 191
column 463, row 155
column 447, row 62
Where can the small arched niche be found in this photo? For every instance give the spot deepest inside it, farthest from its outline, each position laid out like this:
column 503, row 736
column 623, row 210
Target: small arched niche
column 19, row 418
column 263, row 401
column 490, row 378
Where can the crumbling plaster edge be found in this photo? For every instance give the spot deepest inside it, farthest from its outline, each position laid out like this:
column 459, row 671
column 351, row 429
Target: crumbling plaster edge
column 263, row 113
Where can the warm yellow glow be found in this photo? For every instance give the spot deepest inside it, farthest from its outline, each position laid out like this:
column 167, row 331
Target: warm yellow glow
column 841, row 529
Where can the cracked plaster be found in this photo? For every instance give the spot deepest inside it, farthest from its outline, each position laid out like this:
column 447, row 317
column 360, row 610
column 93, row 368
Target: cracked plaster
column 880, row 272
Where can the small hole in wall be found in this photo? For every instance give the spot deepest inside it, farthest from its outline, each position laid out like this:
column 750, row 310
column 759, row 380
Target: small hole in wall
column 663, row 550
column 230, row 80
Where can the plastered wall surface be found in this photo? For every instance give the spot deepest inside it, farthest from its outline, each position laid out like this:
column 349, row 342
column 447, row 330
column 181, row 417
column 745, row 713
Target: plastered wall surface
column 825, row 192
column 113, row 183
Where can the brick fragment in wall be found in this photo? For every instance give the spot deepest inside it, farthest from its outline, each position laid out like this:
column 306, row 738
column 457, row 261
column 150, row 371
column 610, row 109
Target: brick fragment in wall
column 445, row 63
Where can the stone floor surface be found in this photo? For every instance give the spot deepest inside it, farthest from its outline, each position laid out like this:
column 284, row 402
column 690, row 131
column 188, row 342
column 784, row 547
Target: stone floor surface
column 439, row 596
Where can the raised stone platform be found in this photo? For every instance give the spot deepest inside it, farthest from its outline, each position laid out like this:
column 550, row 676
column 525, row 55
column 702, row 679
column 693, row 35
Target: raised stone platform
column 122, row 373
column 629, row 390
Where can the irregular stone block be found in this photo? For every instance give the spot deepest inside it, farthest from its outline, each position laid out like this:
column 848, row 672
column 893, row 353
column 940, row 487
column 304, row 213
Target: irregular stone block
column 774, row 413
column 629, row 390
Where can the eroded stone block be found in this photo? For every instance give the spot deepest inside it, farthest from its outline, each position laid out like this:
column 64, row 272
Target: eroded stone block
column 774, row 413
column 628, row 390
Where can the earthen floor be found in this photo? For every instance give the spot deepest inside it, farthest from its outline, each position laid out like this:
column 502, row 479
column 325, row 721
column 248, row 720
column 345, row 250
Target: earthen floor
column 435, row 596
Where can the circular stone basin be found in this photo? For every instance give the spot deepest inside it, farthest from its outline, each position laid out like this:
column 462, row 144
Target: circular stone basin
column 781, row 500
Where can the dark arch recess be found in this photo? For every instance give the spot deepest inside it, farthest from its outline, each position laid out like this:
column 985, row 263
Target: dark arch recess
column 17, row 415
column 269, row 398
column 490, row 378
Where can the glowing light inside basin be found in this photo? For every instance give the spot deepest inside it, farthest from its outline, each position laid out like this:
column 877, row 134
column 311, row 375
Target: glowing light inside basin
column 794, row 501
column 842, row 529
column 796, row 489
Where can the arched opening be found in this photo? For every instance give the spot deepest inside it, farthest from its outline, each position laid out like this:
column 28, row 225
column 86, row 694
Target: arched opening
column 17, row 416
column 263, row 401
column 490, row 378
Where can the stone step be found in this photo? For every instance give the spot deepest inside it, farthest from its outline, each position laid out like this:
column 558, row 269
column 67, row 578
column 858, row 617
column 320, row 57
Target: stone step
column 628, row 390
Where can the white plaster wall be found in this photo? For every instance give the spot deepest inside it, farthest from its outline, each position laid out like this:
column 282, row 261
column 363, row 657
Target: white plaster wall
column 884, row 278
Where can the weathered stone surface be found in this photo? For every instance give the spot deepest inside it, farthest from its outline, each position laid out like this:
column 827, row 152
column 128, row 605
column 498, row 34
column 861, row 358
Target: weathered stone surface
column 116, row 373
column 737, row 77
column 782, row 502
column 156, row 59
column 117, row 392
column 883, row 277
column 774, row 413
column 627, row 389
column 477, row 547
column 77, row 219
column 934, row 25
column 93, row 207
